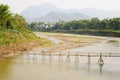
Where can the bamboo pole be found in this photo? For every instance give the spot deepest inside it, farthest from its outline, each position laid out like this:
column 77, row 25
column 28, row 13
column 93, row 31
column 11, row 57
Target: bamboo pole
column 76, row 58
column 50, row 57
column 89, row 59
column 100, row 60
column 68, row 58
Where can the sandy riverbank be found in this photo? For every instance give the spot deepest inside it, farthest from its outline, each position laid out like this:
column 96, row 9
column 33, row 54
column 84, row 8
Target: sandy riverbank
column 18, row 49
column 67, row 41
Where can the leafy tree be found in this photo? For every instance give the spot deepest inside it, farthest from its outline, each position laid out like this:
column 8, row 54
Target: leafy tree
column 92, row 24
column 5, row 14
column 115, row 23
column 20, row 22
column 11, row 21
column 33, row 26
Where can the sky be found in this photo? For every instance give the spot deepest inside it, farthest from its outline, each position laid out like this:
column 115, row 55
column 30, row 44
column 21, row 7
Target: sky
column 18, row 6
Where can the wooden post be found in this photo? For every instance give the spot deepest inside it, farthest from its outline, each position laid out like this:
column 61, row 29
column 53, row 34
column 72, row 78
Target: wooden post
column 89, row 60
column 34, row 57
column 101, row 66
column 60, row 57
column 100, row 60
column 68, row 58
column 76, row 58
column 50, row 57
column 43, row 56
column 28, row 56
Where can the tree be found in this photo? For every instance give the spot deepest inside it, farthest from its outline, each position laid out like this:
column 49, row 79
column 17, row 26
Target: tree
column 5, row 14
column 33, row 26
column 9, row 24
column 114, row 23
column 103, row 25
column 94, row 23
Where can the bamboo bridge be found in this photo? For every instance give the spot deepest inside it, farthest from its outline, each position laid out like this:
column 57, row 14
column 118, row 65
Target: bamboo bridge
column 69, row 55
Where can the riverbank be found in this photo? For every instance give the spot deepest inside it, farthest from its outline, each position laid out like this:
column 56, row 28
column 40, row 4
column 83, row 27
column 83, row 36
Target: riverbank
column 52, row 42
column 67, row 41
column 14, row 42
column 107, row 33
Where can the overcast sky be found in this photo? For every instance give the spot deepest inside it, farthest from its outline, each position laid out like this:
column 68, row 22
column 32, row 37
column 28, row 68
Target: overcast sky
column 19, row 5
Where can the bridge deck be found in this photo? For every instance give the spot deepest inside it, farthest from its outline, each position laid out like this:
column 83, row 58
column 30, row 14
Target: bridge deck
column 79, row 54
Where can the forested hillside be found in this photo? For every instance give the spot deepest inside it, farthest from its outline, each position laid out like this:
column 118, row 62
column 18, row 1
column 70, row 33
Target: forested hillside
column 94, row 26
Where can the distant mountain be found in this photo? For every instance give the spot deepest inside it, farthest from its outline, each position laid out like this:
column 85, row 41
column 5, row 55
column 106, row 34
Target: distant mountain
column 60, row 16
column 50, row 13
column 39, row 10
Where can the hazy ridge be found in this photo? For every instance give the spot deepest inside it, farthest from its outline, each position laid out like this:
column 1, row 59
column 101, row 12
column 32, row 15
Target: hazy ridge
column 50, row 13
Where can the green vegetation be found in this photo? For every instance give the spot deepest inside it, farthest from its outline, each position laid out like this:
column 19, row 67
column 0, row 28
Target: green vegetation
column 94, row 26
column 109, row 33
column 14, row 32
column 9, row 37
column 11, row 21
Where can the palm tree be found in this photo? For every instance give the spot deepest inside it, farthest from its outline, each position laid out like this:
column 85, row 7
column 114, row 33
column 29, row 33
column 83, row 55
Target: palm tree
column 4, row 15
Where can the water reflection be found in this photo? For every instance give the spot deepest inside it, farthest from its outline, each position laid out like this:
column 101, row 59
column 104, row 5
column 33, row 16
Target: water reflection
column 21, row 69
column 88, row 67
column 16, row 70
column 100, row 68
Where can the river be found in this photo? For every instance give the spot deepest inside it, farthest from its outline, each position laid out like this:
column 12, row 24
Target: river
column 21, row 69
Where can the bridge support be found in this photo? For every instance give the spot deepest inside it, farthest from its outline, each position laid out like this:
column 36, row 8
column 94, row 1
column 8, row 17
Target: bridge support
column 50, row 57
column 89, row 59
column 76, row 58
column 100, row 60
column 28, row 56
column 60, row 57
column 43, row 56
column 34, row 57
column 68, row 58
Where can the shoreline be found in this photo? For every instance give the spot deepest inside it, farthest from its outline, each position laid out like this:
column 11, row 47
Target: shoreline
column 65, row 45
column 55, row 48
column 16, row 50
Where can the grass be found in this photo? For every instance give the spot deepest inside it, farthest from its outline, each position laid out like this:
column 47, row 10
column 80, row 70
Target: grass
column 12, row 40
column 71, row 38
column 45, row 42
column 9, row 37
